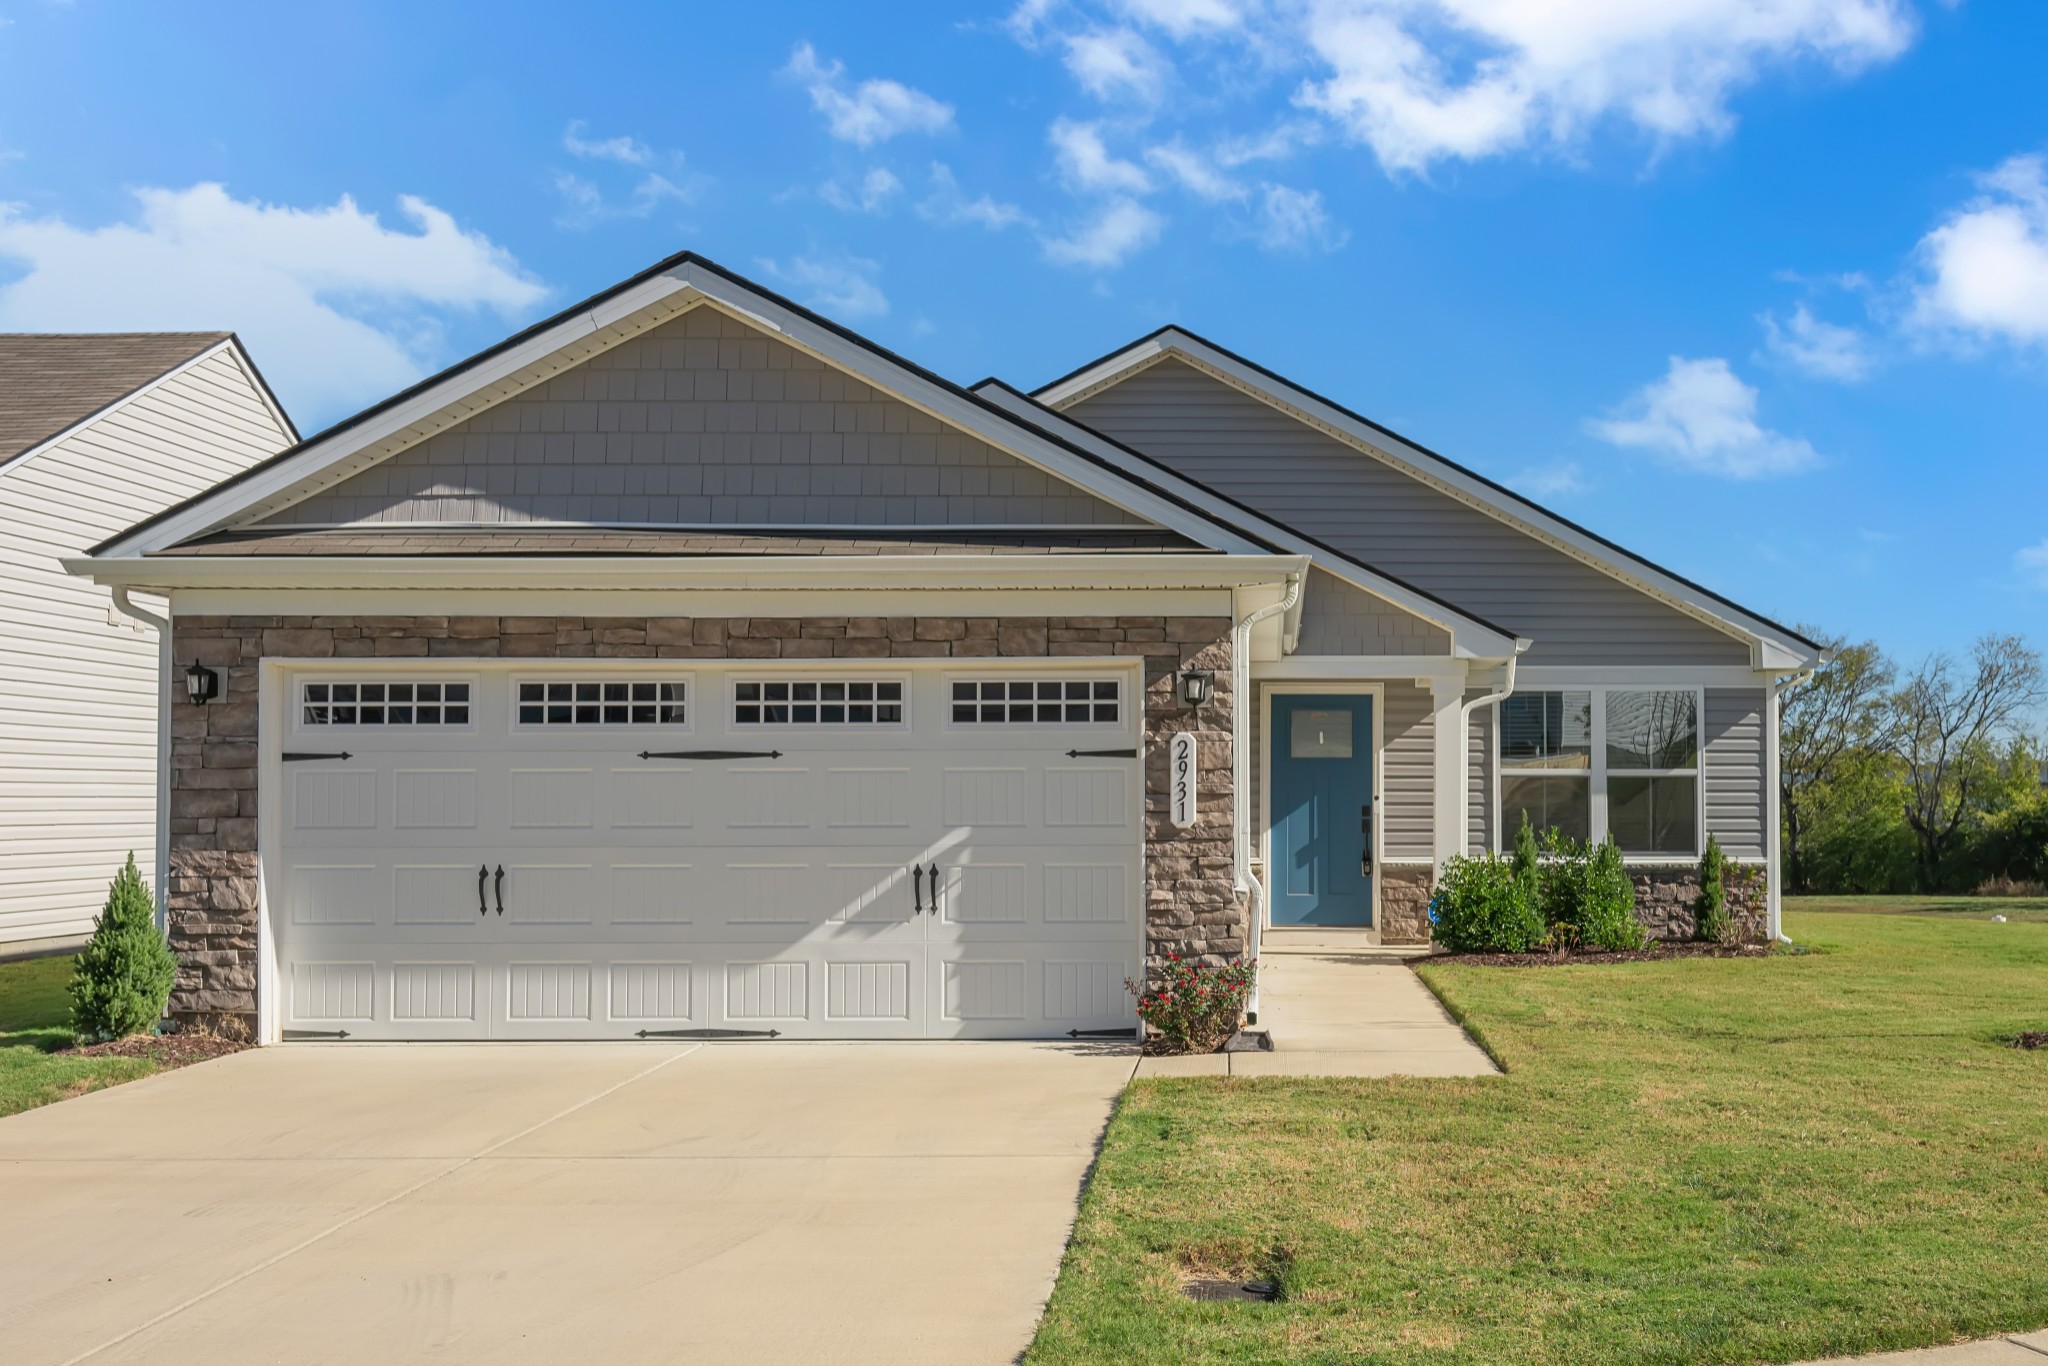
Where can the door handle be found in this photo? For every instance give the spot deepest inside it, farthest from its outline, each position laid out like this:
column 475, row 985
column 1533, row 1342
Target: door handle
column 1365, row 828
column 935, row 889
column 499, row 887
column 917, row 877
column 483, row 871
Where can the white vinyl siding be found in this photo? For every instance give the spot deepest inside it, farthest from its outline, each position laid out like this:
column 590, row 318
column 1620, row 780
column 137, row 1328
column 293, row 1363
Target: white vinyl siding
column 77, row 693
column 1307, row 479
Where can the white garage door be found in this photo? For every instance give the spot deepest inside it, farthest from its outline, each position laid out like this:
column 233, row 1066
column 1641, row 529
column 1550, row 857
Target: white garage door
column 601, row 850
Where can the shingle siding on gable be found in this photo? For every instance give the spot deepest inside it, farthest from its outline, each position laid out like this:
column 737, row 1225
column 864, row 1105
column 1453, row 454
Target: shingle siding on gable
column 704, row 421
column 1306, row 479
column 1338, row 618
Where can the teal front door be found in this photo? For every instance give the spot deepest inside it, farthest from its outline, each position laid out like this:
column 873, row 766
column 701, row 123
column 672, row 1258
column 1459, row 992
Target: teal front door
column 1321, row 809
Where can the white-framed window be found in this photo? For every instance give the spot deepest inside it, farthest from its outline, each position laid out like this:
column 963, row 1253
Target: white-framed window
column 1036, row 701
column 385, row 702
column 1599, row 761
column 556, row 702
column 818, row 702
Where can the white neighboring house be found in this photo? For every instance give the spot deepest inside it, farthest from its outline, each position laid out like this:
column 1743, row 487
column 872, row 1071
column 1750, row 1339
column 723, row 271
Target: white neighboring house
column 96, row 431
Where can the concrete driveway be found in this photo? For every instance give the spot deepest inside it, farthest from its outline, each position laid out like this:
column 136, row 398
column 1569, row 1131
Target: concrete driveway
column 552, row 1202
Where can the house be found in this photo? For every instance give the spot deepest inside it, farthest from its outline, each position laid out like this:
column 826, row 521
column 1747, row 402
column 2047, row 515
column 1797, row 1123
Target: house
column 688, row 663
column 96, row 431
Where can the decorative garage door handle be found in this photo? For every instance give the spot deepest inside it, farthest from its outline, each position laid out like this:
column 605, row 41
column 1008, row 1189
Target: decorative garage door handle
column 935, row 889
column 917, row 877
column 499, row 887
column 483, row 870
column 1102, row 754
column 711, row 754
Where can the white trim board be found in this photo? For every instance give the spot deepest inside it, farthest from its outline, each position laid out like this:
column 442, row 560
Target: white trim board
column 1770, row 645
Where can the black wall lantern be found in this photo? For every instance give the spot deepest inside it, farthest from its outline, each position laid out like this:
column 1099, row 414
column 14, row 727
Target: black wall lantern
column 1196, row 686
column 202, row 684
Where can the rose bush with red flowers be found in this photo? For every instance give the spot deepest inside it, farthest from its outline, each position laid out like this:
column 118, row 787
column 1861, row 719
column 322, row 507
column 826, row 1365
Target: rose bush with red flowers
column 1189, row 1008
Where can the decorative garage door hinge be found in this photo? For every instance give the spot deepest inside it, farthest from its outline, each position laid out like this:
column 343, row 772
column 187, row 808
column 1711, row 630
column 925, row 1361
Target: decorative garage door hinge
column 292, row 1035
column 711, row 754
column 1102, row 754
column 1126, row 1033
column 707, row 1034
column 300, row 756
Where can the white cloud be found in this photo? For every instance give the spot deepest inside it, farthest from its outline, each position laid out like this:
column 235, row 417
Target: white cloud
column 1086, row 164
column 1552, row 481
column 1820, row 349
column 628, row 151
column 1296, row 221
column 1702, row 417
column 338, row 309
column 2032, row 564
column 872, row 195
column 1184, row 19
column 1122, row 228
column 949, row 207
column 873, row 111
column 1421, row 81
column 842, row 287
column 1117, row 63
column 1985, row 269
column 1195, row 173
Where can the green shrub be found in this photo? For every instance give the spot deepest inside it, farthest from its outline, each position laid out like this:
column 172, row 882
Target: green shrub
column 1194, row 1009
column 123, row 975
column 1710, row 908
column 1482, row 906
column 1588, row 900
column 1528, row 872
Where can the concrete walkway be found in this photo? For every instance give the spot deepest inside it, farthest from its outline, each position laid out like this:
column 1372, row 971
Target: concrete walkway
column 2027, row 1349
column 1339, row 1007
column 515, row 1203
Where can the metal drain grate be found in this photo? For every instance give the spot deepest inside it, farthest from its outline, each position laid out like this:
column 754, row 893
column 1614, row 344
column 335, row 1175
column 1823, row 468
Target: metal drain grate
column 1231, row 1290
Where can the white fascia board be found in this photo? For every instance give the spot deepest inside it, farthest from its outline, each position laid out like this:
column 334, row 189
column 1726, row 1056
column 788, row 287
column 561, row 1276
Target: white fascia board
column 1335, row 667
column 949, row 406
column 51, row 443
column 322, row 454
column 902, row 572
column 1469, row 636
column 1530, row 676
column 1431, row 470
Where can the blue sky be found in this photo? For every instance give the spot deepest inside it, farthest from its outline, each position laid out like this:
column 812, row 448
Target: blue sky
column 1756, row 287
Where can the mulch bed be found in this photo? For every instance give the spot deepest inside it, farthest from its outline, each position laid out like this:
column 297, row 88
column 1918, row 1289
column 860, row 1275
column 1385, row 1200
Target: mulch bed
column 165, row 1050
column 2032, row 1038
column 1656, row 953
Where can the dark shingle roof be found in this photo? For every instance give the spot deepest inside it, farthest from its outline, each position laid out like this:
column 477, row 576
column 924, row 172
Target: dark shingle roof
column 50, row 381
column 535, row 540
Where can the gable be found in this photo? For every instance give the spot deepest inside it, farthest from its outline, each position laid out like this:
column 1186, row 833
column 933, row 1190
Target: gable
column 1288, row 470
column 51, row 381
column 1339, row 618
column 703, row 421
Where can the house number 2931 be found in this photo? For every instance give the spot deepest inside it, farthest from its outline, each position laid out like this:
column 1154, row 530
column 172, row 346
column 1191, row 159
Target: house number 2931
column 1180, row 763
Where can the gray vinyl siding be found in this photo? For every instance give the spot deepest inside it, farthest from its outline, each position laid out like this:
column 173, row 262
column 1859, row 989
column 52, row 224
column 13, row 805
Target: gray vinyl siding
column 1733, row 773
column 704, row 421
column 1339, row 618
column 1478, row 784
column 1301, row 477
column 1408, row 774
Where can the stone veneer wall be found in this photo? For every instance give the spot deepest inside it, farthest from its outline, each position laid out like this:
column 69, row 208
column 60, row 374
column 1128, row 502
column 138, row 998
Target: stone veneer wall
column 1664, row 901
column 1191, row 906
column 1404, row 903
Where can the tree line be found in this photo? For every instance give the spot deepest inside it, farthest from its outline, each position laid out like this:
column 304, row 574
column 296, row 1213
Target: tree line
column 1927, row 780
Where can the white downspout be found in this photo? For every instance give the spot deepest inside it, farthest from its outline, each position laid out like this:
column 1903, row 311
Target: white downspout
column 1774, row 836
column 1243, row 719
column 126, row 606
column 1507, row 686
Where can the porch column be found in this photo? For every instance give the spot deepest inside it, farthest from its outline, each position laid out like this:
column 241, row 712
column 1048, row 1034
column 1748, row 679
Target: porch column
column 1447, row 696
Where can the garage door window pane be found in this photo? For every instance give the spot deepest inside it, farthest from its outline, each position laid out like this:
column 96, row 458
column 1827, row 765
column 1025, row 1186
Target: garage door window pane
column 385, row 703
column 602, row 702
column 1036, row 702
column 818, row 702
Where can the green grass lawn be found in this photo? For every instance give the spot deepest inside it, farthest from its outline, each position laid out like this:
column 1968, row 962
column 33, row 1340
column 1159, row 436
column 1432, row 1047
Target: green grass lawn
column 35, row 1019
column 1704, row 1160
column 1965, row 907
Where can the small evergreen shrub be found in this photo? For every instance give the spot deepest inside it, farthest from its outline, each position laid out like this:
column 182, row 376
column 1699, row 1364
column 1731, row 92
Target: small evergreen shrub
column 1195, row 1009
column 1711, row 922
column 1528, row 870
column 1481, row 905
column 1588, row 901
column 122, row 979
